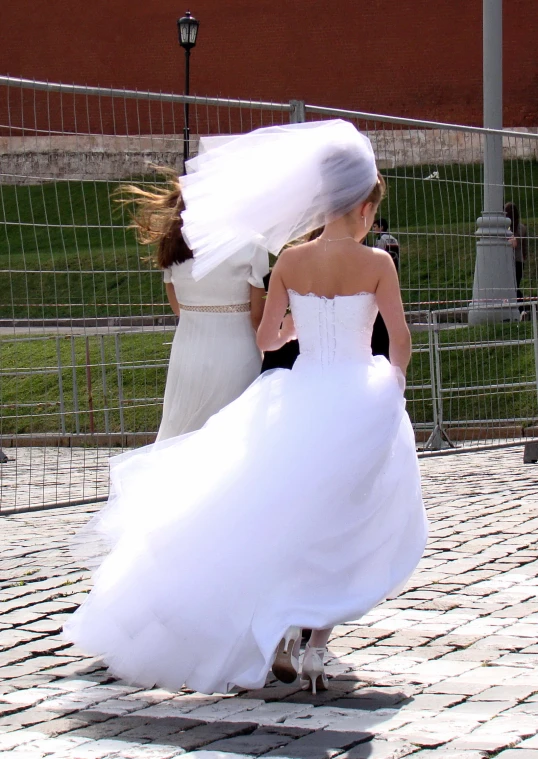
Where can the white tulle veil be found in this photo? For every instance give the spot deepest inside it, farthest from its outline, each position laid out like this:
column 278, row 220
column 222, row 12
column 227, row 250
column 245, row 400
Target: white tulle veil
column 271, row 186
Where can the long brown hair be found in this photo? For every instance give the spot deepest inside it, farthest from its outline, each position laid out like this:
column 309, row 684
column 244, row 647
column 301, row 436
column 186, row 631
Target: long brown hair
column 511, row 210
column 156, row 217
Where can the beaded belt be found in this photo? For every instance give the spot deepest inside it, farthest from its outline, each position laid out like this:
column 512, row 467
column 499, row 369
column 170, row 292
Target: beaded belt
column 233, row 309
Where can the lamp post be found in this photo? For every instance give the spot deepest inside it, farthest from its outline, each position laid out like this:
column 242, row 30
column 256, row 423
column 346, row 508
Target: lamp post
column 187, row 28
column 494, row 288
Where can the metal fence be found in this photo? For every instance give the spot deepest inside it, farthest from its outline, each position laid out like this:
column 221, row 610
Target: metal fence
column 85, row 333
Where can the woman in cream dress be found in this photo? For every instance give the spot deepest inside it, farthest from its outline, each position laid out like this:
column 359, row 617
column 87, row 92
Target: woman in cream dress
column 214, row 355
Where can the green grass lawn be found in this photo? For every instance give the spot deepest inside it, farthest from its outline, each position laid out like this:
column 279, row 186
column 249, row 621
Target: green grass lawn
column 65, row 251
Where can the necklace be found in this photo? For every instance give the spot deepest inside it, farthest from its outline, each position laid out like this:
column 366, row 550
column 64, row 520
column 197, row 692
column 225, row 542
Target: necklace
column 336, row 239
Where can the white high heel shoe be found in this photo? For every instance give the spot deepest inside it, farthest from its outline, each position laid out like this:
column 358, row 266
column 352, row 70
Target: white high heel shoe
column 312, row 673
column 286, row 664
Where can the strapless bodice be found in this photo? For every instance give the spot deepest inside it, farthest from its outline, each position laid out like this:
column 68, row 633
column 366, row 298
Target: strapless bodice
column 336, row 329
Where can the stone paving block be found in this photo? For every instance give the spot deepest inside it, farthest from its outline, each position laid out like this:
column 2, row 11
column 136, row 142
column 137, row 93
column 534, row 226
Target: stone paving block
column 225, row 708
column 153, row 751
column 490, row 744
column 277, row 713
column 25, row 717
column 14, row 637
column 455, row 686
column 322, row 743
column 48, row 625
column 380, row 749
column 214, row 755
column 261, row 741
column 504, row 693
column 529, row 742
column 278, row 692
column 55, row 727
column 28, row 697
column 203, row 735
column 481, row 711
column 526, row 707
column 152, row 730
column 10, row 741
column 372, row 699
column 60, row 744
column 6, row 709
column 444, row 752
column 431, row 702
column 101, row 749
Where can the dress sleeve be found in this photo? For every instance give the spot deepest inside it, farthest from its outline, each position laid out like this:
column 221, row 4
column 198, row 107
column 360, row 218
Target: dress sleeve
column 167, row 275
column 259, row 266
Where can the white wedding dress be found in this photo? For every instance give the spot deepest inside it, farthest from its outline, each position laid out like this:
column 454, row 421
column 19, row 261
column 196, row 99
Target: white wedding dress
column 297, row 504
column 214, row 355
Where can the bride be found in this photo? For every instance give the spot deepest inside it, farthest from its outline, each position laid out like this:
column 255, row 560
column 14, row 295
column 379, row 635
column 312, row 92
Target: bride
column 212, row 568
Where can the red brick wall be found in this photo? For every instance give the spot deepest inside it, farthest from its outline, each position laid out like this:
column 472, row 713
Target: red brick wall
column 418, row 58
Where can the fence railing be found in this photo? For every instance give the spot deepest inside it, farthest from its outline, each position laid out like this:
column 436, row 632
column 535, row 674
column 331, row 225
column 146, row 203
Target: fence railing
column 84, row 330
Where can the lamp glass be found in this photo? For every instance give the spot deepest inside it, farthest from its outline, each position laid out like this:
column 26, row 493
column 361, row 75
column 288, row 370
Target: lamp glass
column 188, row 31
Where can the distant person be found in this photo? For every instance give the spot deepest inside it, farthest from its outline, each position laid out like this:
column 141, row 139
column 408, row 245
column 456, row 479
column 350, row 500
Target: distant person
column 384, row 241
column 214, row 356
column 519, row 243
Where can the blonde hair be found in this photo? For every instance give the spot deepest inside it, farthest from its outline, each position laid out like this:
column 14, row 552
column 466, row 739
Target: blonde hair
column 156, row 217
column 378, row 191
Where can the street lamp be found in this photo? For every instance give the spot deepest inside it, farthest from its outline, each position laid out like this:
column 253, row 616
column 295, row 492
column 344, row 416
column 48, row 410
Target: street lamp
column 187, row 29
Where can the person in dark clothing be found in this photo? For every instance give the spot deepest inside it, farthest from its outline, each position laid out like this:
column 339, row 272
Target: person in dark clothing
column 519, row 243
column 385, row 241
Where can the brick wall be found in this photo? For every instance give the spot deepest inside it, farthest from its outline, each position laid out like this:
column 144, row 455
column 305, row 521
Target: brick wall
column 419, row 58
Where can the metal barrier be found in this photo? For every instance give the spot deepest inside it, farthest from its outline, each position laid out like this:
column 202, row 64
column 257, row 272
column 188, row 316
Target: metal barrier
column 85, row 331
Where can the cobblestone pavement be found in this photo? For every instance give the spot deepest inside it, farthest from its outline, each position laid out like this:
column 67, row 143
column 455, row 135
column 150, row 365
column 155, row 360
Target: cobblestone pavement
column 449, row 667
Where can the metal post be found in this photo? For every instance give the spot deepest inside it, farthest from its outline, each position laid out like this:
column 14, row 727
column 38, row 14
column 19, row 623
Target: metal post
column 433, row 374
column 120, row 383
column 75, row 385
column 89, row 386
column 535, row 342
column 186, row 130
column 297, row 112
column 439, row 438
column 494, row 277
column 104, row 383
column 60, row 385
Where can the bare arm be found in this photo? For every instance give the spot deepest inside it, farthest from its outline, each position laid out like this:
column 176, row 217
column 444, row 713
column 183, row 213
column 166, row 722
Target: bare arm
column 389, row 301
column 257, row 305
column 276, row 328
column 171, row 295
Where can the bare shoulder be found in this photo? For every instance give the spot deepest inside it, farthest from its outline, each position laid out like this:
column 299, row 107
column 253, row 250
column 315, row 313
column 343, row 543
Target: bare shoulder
column 379, row 259
column 291, row 256
column 381, row 255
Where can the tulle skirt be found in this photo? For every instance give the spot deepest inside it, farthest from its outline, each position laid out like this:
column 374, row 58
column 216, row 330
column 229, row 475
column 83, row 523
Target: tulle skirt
column 297, row 504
